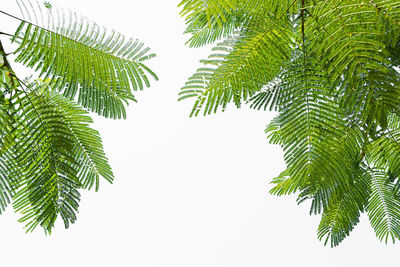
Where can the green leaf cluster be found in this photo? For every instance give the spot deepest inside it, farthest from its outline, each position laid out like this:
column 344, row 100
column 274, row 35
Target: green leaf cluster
column 82, row 59
column 331, row 71
column 48, row 151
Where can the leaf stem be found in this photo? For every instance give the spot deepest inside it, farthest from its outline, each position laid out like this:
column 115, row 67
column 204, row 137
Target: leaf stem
column 12, row 16
column 4, row 33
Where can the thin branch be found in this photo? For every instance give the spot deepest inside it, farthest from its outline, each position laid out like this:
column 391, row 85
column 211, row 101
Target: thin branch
column 4, row 33
column 12, row 16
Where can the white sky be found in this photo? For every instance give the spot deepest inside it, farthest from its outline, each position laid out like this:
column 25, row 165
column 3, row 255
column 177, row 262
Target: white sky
column 188, row 192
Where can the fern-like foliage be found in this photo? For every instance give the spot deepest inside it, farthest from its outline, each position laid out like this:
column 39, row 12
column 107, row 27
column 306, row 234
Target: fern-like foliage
column 384, row 207
column 330, row 68
column 239, row 67
column 81, row 57
column 61, row 155
column 48, row 151
column 342, row 214
column 213, row 10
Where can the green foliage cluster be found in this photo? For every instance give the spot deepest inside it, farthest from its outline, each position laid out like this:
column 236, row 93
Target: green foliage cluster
column 331, row 71
column 48, row 151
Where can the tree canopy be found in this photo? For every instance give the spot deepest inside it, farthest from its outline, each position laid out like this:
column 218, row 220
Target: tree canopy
column 331, row 71
column 48, row 151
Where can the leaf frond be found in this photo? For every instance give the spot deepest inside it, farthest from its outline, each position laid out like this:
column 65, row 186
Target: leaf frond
column 80, row 57
column 59, row 153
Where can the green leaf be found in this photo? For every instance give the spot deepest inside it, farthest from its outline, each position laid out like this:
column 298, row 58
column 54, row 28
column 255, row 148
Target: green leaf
column 60, row 154
column 383, row 207
column 80, row 57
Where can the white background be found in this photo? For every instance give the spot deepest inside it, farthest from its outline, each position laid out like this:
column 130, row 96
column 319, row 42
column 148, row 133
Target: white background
column 188, row 192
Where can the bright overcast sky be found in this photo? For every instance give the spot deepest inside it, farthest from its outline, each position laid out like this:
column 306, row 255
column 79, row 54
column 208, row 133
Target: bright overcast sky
column 188, row 192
